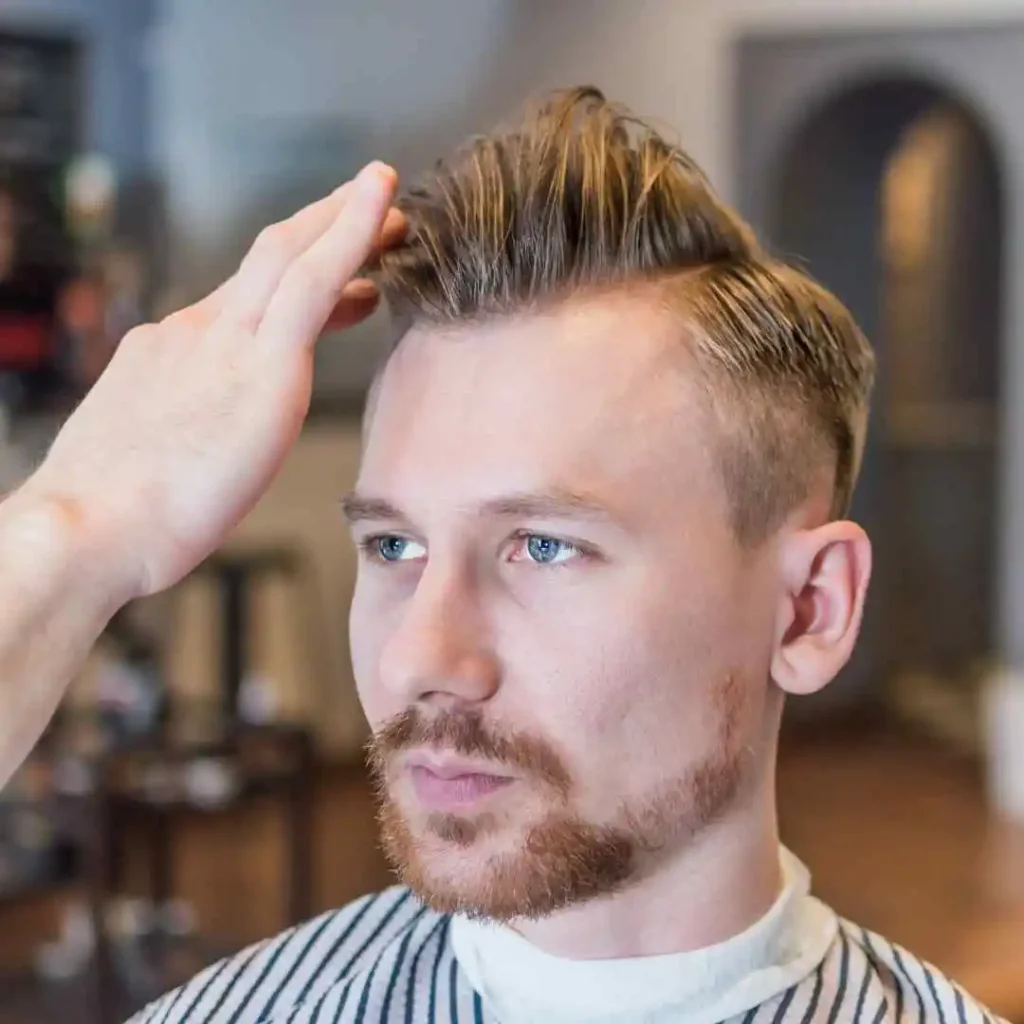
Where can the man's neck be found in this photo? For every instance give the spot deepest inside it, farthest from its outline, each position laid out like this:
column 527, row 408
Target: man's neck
column 714, row 889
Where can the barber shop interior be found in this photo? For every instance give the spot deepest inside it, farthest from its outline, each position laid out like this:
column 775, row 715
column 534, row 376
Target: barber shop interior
column 215, row 769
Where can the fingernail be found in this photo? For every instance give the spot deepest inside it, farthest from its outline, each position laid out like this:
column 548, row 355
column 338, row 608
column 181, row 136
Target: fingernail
column 377, row 171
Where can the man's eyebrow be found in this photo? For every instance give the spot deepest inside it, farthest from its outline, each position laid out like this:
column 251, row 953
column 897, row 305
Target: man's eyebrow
column 557, row 504
column 357, row 508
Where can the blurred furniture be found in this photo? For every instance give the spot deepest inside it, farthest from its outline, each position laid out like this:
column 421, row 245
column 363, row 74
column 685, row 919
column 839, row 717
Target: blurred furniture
column 106, row 790
column 238, row 575
column 96, row 791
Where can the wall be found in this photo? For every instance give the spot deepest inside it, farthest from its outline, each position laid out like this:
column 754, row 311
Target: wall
column 241, row 92
column 685, row 73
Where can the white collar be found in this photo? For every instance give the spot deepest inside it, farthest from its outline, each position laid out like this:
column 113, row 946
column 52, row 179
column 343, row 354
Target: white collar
column 520, row 983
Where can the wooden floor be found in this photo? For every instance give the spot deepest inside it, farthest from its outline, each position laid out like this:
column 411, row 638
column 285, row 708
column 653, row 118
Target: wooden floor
column 898, row 838
column 894, row 829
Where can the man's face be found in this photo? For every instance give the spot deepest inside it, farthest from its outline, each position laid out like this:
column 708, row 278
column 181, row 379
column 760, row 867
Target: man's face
column 560, row 647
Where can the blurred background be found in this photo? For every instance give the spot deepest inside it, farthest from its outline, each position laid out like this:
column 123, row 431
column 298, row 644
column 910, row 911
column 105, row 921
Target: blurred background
column 203, row 784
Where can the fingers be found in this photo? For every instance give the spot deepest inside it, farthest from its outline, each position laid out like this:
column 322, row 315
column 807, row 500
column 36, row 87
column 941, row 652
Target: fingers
column 361, row 296
column 359, row 299
column 313, row 283
column 395, row 227
column 244, row 297
column 276, row 247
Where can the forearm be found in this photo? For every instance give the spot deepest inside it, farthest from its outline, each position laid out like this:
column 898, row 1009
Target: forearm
column 58, row 590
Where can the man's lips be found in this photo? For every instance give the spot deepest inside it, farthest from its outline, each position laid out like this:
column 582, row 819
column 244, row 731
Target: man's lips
column 449, row 784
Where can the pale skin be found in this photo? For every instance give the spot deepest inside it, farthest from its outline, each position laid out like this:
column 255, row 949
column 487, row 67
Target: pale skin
column 613, row 658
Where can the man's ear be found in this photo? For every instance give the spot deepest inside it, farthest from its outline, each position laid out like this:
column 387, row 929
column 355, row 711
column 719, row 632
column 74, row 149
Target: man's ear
column 825, row 574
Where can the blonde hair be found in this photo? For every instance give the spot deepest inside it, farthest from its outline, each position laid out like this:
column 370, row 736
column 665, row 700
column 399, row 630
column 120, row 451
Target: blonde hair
column 583, row 196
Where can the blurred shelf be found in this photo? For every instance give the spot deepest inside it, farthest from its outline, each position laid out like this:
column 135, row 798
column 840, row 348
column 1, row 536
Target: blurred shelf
column 197, row 761
column 65, row 818
column 253, row 788
column 191, row 728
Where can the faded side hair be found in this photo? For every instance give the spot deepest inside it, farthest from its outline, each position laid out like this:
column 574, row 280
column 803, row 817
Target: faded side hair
column 582, row 196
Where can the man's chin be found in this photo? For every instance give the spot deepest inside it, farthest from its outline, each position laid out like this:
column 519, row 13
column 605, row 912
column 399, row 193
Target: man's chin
column 447, row 863
column 483, row 868
column 448, row 852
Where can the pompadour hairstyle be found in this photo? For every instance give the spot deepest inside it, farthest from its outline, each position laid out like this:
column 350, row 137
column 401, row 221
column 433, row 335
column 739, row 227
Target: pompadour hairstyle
column 583, row 197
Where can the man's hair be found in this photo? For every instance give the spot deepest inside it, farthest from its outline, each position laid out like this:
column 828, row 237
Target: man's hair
column 582, row 197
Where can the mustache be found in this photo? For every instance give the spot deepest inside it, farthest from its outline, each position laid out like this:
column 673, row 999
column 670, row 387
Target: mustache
column 466, row 733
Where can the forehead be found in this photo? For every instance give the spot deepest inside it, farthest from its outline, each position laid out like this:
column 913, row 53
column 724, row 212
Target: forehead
column 598, row 396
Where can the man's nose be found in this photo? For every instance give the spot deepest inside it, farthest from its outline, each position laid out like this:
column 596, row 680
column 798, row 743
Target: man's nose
column 441, row 652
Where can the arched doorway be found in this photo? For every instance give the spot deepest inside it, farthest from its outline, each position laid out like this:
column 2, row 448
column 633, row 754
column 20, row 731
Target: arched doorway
column 889, row 193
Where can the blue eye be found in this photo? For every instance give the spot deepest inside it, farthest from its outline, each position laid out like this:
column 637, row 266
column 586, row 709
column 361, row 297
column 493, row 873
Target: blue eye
column 549, row 550
column 391, row 548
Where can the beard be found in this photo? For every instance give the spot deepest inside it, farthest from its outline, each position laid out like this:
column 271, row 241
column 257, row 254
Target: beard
column 559, row 860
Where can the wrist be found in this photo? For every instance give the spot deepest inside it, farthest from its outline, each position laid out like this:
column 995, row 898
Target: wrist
column 56, row 535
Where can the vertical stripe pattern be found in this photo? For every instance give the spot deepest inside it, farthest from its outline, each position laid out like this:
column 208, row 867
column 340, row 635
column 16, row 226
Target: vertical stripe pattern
column 386, row 958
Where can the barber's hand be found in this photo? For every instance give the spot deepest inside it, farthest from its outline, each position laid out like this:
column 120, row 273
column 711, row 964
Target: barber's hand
column 194, row 416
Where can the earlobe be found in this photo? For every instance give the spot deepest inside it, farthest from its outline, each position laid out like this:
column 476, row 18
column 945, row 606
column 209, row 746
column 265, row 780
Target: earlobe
column 825, row 574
